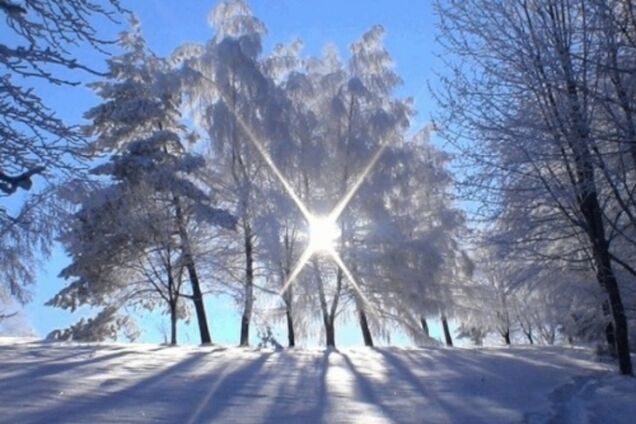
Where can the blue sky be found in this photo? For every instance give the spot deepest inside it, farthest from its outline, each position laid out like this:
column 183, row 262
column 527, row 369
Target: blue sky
column 410, row 32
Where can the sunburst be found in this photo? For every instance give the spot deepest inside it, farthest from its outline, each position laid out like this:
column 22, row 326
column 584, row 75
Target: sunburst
column 323, row 230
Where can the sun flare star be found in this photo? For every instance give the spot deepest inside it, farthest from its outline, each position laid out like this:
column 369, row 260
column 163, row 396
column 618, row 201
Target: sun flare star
column 323, row 230
column 323, row 234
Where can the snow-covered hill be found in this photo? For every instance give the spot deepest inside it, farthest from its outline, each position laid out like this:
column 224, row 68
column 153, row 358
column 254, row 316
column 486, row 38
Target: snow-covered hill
column 121, row 383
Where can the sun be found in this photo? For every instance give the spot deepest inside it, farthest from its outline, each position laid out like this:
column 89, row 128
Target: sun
column 323, row 234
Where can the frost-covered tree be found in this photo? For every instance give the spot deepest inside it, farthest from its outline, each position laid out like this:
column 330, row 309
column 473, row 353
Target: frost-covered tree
column 342, row 116
column 281, row 228
column 131, row 239
column 34, row 141
column 533, row 83
column 323, row 129
column 233, row 100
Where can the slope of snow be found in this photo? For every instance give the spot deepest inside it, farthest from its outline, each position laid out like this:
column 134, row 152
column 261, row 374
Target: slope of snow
column 120, row 383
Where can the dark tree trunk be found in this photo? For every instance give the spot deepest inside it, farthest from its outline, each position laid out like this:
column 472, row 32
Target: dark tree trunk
column 249, row 287
column 591, row 210
column 330, row 332
column 425, row 326
column 529, row 336
column 447, row 334
column 197, row 296
column 288, row 295
column 291, row 336
column 199, row 307
column 506, row 337
column 245, row 330
column 173, row 323
column 364, row 326
column 288, row 298
column 173, row 300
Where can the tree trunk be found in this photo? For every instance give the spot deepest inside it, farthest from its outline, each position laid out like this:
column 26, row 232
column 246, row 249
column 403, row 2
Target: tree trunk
column 288, row 295
column 425, row 326
column 591, row 210
column 529, row 336
column 249, row 287
column 328, row 315
column 506, row 337
column 331, row 341
column 330, row 332
column 619, row 326
column 173, row 323
column 364, row 326
column 288, row 298
column 291, row 337
column 197, row 296
column 447, row 334
column 199, row 307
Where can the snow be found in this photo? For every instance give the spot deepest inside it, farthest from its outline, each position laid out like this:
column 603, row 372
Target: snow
column 133, row 383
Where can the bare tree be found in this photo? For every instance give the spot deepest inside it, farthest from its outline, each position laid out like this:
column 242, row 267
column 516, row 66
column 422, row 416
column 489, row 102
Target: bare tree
column 529, row 101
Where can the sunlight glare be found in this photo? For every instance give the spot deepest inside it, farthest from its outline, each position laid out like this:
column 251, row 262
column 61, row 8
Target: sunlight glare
column 323, row 231
column 323, row 234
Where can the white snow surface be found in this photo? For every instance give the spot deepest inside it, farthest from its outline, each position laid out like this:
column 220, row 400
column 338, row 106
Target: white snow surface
column 52, row 383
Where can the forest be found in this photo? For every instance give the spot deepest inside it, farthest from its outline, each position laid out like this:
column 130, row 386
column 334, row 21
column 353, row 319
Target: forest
column 301, row 186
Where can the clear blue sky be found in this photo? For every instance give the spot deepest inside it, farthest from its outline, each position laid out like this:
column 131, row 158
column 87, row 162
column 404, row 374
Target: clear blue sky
column 410, row 32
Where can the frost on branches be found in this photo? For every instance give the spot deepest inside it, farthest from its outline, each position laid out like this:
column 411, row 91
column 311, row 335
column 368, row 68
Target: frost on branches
column 131, row 240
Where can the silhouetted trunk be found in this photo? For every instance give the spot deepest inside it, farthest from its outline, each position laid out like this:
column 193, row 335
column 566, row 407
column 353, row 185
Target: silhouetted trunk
column 506, row 337
column 447, row 334
column 590, row 207
column 289, row 316
column 616, row 334
column 197, row 296
column 364, row 326
column 529, row 336
column 330, row 332
column 173, row 323
column 173, row 299
column 425, row 326
column 249, row 287
column 291, row 337
column 199, row 307
column 288, row 297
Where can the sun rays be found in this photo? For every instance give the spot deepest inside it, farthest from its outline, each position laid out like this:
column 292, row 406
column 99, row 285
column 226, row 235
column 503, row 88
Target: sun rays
column 323, row 230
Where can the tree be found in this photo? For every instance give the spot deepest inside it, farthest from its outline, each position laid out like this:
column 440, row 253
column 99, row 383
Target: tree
column 34, row 141
column 529, row 99
column 284, row 129
column 232, row 98
column 144, row 211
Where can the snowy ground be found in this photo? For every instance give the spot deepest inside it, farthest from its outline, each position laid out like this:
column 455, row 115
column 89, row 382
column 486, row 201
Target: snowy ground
column 112, row 383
